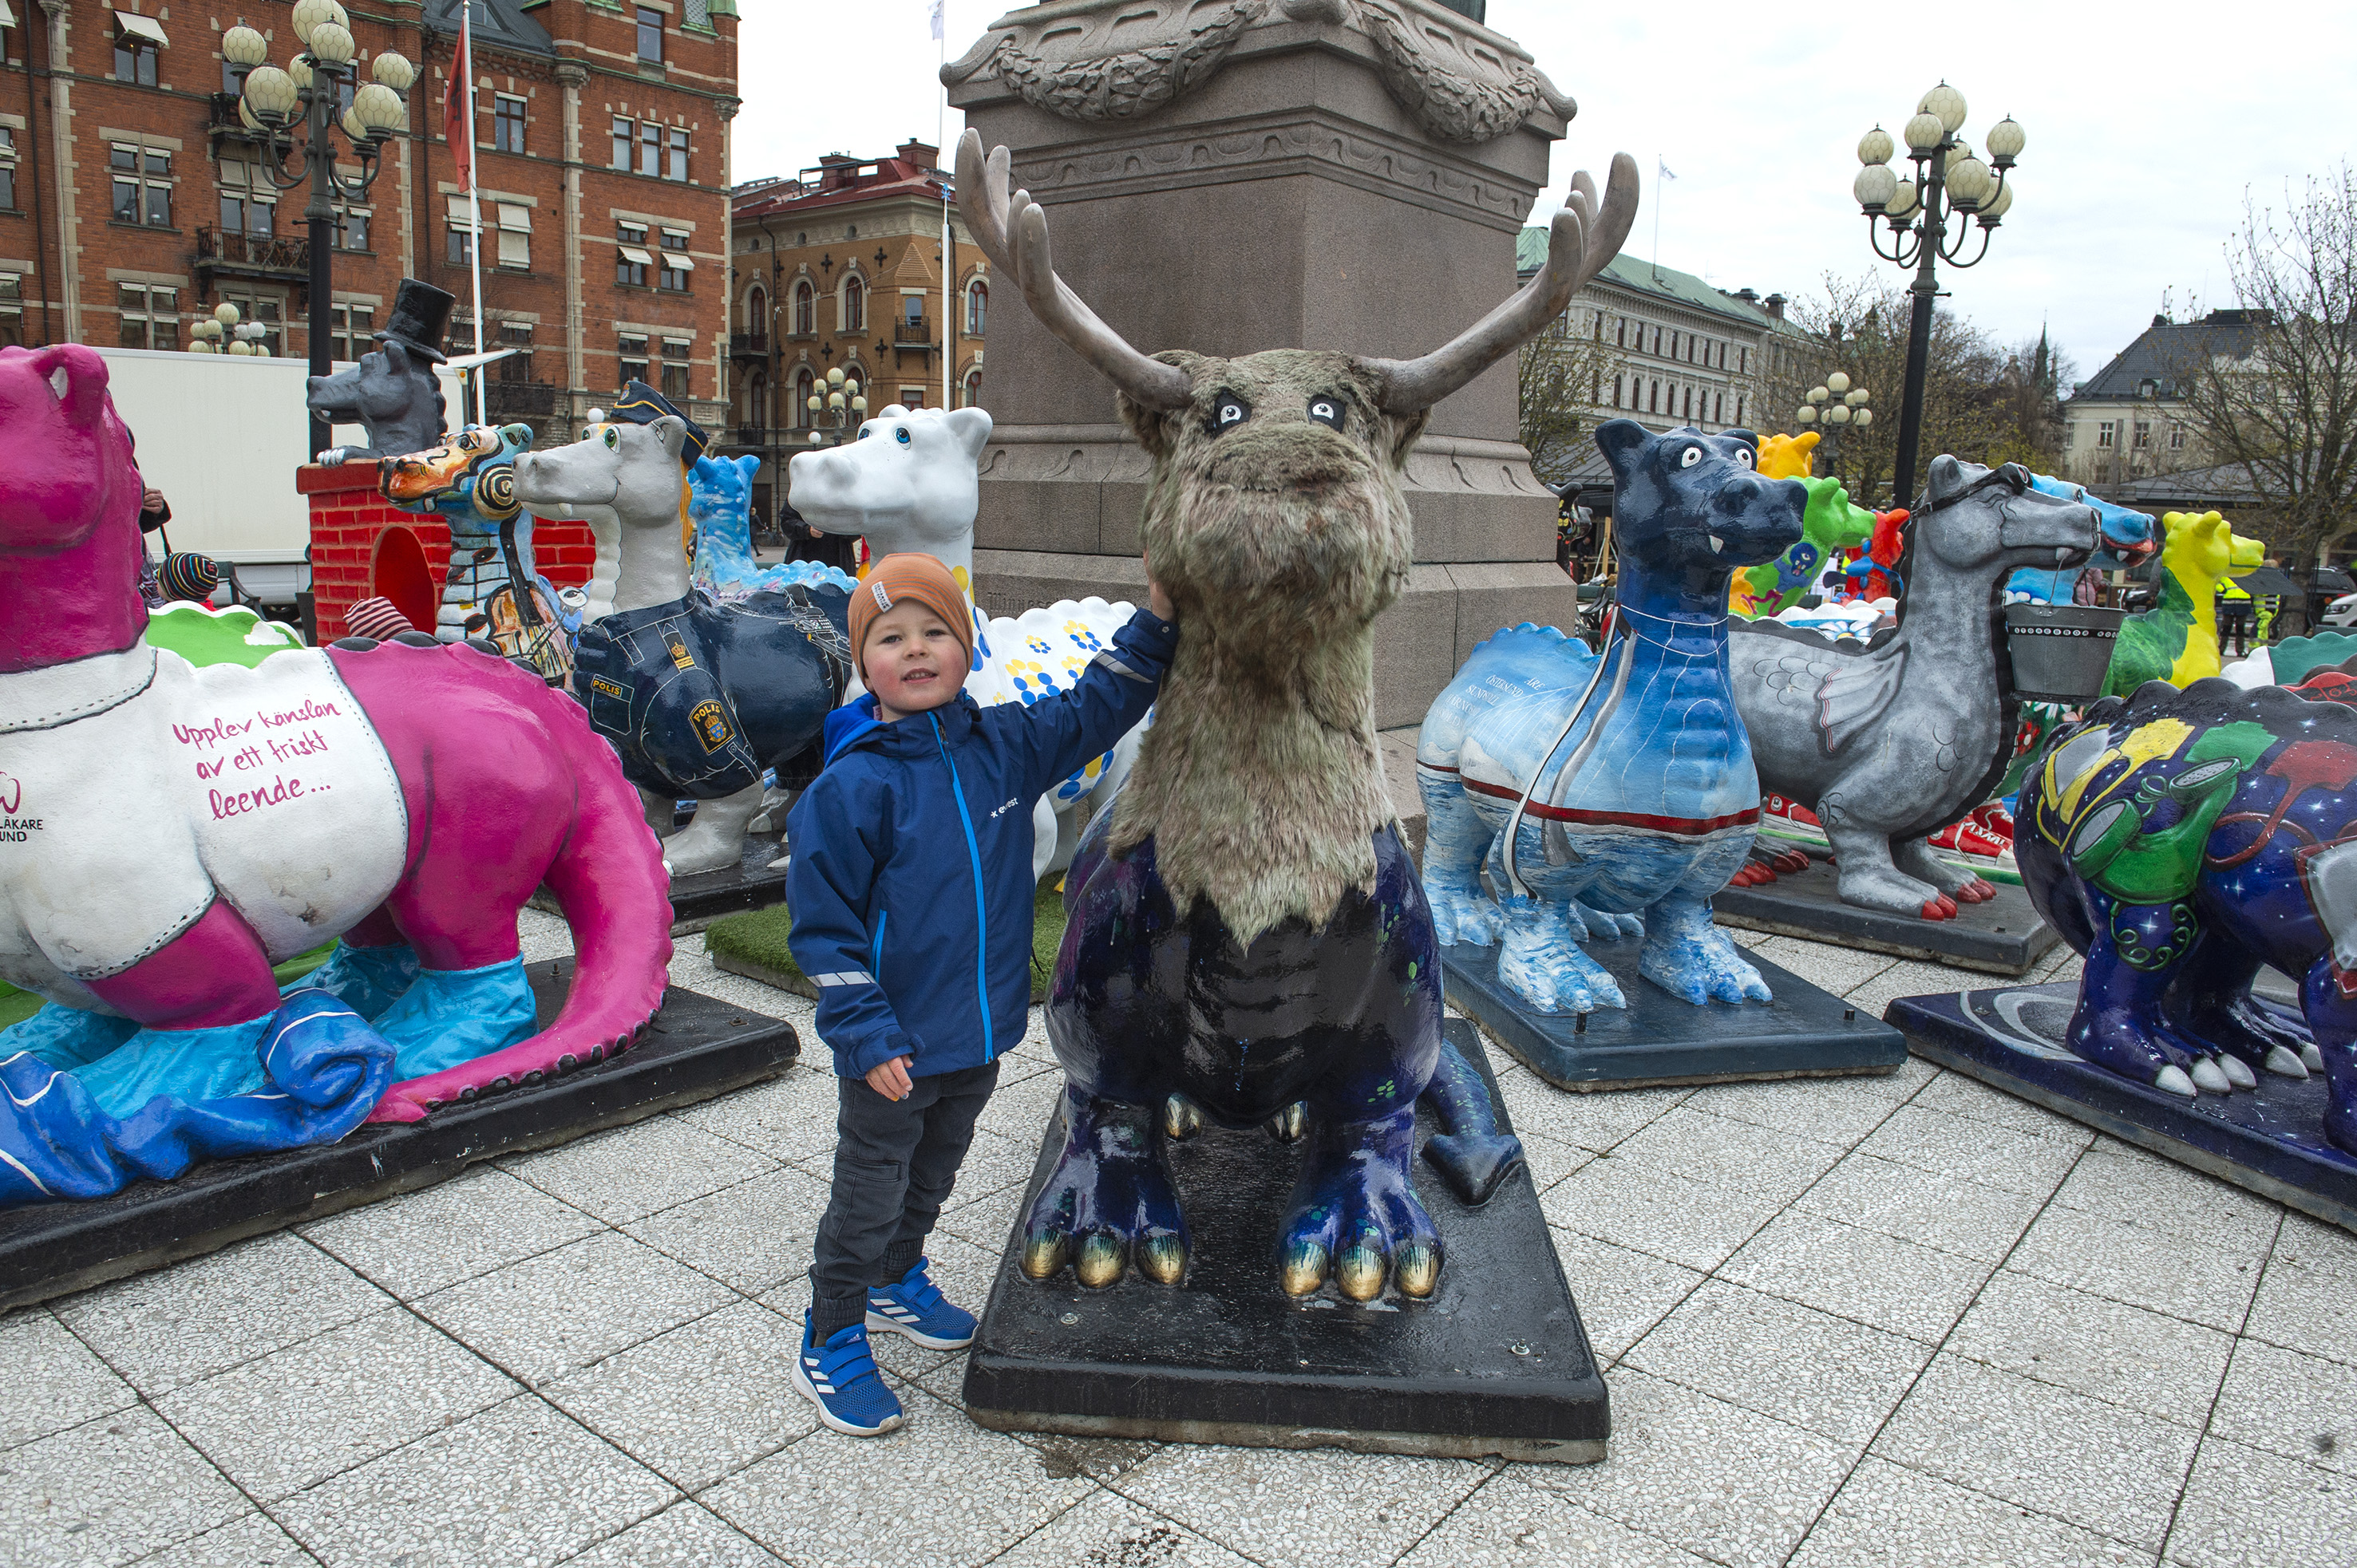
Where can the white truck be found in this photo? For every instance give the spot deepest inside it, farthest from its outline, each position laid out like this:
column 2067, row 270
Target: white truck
column 221, row 435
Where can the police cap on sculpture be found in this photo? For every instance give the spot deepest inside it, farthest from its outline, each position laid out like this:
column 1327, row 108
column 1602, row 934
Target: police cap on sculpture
column 1247, row 933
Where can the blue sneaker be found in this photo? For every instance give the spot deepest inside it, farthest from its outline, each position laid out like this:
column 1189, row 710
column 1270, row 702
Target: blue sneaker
column 914, row 1307
column 840, row 1379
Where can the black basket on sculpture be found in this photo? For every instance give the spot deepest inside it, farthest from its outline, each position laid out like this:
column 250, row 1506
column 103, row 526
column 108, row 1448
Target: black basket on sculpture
column 2061, row 651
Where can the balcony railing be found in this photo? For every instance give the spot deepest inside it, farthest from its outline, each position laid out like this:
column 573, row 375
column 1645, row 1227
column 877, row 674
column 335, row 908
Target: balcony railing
column 263, row 255
column 223, row 117
column 918, row 332
column 748, row 342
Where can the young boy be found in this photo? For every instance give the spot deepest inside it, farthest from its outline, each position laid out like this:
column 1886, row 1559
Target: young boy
column 910, row 886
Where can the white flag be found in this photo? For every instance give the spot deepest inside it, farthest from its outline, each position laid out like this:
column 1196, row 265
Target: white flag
column 1666, row 172
column 938, row 31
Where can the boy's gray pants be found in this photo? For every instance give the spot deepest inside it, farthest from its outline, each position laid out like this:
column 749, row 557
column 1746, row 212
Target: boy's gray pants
column 894, row 1161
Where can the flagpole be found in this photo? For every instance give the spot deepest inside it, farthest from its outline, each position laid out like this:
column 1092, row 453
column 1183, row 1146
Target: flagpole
column 474, row 196
column 1662, row 177
column 940, row 151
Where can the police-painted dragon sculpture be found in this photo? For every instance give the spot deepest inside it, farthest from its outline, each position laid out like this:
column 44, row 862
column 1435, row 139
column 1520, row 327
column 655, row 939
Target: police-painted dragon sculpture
column 1247, row 933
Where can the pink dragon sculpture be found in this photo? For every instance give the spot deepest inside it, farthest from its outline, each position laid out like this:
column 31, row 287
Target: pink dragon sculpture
column 171, row 831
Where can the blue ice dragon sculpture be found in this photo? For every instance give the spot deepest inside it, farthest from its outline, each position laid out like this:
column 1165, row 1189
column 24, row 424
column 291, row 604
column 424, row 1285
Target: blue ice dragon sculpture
column 1589, row 790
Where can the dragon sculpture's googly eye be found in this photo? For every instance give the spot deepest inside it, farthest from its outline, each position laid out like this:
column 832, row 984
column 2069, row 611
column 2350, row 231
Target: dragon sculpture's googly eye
column 1228, row 411
column 1328, row 410
column 613, row 439
column 1743, row 456
column 901, row 433
column 1692, row 456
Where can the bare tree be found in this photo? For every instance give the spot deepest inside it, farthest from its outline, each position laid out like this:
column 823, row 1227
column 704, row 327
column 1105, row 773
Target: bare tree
column 2273, row 400
column 1561, row 382
column 1858, row 326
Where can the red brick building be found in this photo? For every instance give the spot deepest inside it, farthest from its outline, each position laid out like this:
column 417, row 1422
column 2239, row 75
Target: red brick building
column 132, row 201
column 841, row 268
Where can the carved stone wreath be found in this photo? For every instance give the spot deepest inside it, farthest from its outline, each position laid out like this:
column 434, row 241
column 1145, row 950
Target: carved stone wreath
column 1450, row 102
column 1115, row 86
column 1454, row 105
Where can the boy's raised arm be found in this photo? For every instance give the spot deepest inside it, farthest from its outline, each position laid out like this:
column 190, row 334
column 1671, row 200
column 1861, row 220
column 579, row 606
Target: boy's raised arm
column 1113, row 693
column 828, row 881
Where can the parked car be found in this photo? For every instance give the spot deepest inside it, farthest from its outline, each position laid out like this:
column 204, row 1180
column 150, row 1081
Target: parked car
column 2341, row 611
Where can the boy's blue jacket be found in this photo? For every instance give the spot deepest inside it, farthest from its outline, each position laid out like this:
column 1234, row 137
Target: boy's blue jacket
column 911, row 878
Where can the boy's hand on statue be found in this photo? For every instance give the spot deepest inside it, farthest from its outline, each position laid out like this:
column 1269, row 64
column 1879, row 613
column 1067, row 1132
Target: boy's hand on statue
column 890, row 1079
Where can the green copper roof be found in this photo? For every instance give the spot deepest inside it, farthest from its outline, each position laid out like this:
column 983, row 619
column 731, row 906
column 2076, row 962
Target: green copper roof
column 1665, row 283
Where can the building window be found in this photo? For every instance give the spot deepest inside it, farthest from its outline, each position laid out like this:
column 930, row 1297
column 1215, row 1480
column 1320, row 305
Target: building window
column 7, row 171
column 135, row 55
column 805, row 309
column 1718, row 400
column 632, row 259
column 266, row 311
column 912, row 310
column 977, row 307
column 462, row 245
column 233, row 76
column 624, row 129
column 1738, row 409
column 507, row 125
column 2143, row 437
column 855, row 305
column 971, row 389
column 1742, row 367
column 649, row 147
column 676, row 262
column 650, row 35
column 806, row 385
column 151, row 316
column 678, row 169
column 2177, row 438
column 1689, row 413
column 515, row 236
column 1616, row 392
column 2104, row 433
column 1654, row 399
column 352, row 228
column 634, row 350
column 516, row 367
column 348, row 329
column 756, row 315
column 677, row 351
column 12, row 310
column 2070, row 436
column 1657, row 340
column 247, row 201
column 143, row 184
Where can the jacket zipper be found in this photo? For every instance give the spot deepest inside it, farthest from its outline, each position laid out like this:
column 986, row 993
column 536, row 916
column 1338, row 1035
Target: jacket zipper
column 981, row 920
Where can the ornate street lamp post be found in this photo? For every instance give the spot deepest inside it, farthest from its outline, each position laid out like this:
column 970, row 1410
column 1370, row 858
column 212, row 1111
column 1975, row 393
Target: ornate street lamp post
column 1837, row 406
column 275, row 101
column 1949, row 181
column 842, row 401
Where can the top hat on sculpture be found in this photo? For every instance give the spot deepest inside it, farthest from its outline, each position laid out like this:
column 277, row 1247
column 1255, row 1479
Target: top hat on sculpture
column 641, row 404
column 421, row 316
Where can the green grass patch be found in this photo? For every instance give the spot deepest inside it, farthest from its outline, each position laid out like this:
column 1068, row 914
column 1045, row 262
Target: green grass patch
column 16, row 1005
column 757, row 940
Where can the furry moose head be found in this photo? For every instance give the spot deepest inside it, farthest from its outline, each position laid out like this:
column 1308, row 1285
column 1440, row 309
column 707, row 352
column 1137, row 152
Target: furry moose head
column 1276, row 520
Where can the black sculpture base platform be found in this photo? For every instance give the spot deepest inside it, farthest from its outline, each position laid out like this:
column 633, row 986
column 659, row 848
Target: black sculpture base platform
column 2269, row 1140
column 696, row 901
column 1806, row 1032
column 695, row 1047
column 2004, row 936
column 1495, row 1363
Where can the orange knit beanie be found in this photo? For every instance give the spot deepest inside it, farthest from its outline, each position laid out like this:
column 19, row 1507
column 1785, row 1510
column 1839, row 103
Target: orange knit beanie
column 909, row 576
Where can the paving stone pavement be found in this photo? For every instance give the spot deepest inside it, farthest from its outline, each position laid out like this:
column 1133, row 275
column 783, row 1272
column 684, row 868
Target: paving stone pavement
column 1902, row 1320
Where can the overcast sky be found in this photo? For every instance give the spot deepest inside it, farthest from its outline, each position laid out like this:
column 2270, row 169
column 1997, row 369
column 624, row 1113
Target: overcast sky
column 2146, row 126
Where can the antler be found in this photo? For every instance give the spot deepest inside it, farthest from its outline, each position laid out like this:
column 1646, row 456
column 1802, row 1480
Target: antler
column 1013, row 232
column 1582, row 242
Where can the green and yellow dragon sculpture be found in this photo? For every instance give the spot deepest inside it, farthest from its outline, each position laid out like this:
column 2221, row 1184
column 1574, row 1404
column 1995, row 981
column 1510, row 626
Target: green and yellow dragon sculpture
column 2177, row 639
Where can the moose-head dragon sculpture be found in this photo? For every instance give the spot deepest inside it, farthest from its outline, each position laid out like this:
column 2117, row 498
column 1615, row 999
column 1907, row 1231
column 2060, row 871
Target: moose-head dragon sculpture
column 1247, row 933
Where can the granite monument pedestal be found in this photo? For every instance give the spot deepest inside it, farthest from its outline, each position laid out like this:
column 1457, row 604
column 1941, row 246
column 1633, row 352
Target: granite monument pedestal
column 1232, row 177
